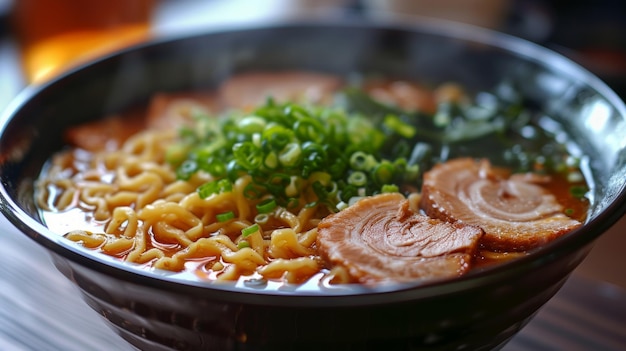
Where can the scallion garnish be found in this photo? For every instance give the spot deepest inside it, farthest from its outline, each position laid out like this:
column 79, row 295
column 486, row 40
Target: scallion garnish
column 214, row 187
column 289, row 156
column 186, row 169
column 261, row 218
column 357, row 178
column 389, row 188
column 383, row 172
column 395, row 124
column 226, row 216
column 252, row 124
column 213, row 166
column 293, row 150
column 247, row 231
column 248, row 155
column 361, row 161
column 266, row 206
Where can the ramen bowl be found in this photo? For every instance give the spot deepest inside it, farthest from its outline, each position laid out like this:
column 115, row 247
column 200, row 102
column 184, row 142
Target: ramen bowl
column 481, row 310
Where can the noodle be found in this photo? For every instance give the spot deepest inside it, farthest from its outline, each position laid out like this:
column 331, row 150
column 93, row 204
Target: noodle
column 148, row 216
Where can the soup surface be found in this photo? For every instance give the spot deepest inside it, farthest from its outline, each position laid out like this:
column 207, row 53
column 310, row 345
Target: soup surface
column 303, row 178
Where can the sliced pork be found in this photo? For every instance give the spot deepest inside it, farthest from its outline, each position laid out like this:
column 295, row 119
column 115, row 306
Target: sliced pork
column 380, row 238
column 166, row 111
column 516, row 212
column 249, row 90
column 173, row 110
column 408, row 96
column 107, row 133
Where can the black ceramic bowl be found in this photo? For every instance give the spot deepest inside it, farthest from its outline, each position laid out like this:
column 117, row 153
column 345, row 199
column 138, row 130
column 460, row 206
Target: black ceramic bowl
column 479, row 311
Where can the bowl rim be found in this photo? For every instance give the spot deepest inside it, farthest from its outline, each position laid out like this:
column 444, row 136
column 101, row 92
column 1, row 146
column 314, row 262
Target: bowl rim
column 352, row 296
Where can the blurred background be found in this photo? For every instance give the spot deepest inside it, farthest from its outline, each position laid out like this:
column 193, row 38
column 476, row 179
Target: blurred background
column 51, row 33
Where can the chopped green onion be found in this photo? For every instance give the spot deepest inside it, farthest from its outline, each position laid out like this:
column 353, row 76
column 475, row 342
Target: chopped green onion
column 226, row 216
column 234, row 170
column 394, row 123
column 261, row 218
column 290, row 155
column 291, row 151
column 271, row 161
column 319, row 190
column 341, row 205
column 332, row 189
column 309, row 129
column 210, row 150
column 252, row 124
column 383, row 173
column 358, row 160
column 266, row 206
column 411, row 172
column 248, row 155
column 349, row 191
column 288, row 150
column 186, row 169
column 214, row 167
column 338, row 168
column 281, row 179
column 293, row 189
column 569, row 211
column 442, row 117
column 243, row 244
column 277, row 137
column 187, row 133
column 365, row 136
column 214, row 187
column 256, row 140
column 357, row 178
column 389, row 188
column 362, row 161
column 322, row 177
column 295, row 112
column 314, row 158
column 176, row 154
column 247, row 231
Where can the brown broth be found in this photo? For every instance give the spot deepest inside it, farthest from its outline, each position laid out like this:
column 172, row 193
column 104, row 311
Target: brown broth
column 575, row 207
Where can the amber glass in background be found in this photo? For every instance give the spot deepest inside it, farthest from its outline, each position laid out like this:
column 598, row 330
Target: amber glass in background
column 55, row 34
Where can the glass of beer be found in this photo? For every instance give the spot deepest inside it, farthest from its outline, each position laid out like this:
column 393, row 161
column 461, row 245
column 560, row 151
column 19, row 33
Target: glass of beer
column 55, row 34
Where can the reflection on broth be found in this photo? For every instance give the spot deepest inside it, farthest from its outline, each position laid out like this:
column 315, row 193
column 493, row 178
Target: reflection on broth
column 302, row 178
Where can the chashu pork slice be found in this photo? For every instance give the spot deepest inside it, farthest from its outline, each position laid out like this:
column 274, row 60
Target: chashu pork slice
column 516, row 213
column 107, row 133
column 380, row 239
column 166, row 111
column 249, row 90
column 174, row 110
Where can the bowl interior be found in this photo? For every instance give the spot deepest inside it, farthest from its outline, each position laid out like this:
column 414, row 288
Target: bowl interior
column 592, row 114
